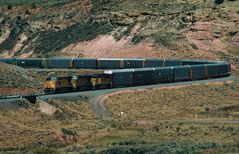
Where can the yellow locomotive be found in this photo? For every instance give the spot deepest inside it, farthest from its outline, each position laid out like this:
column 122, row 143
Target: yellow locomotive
column 81, row 82
column 76, row 83
column 58, row 84
column 100, row 81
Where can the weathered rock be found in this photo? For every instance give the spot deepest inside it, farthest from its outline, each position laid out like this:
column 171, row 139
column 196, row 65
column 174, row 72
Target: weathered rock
column 217, row 34
column 66, row 135
column 207, row 108
column 204, row 38
column 234, row 16
column 120, row 19
column 47, row 108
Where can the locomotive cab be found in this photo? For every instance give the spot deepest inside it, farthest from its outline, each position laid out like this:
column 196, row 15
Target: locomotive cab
column 58, row 84
column 81, row 82
column 50, row 85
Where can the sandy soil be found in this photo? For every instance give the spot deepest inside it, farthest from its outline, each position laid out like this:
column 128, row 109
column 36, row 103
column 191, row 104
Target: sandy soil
column 107, row 46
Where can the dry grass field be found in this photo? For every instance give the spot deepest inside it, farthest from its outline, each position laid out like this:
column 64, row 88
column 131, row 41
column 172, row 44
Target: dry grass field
column 162, row 120
column 190, row 102
column 30, row 129
column 194, row 114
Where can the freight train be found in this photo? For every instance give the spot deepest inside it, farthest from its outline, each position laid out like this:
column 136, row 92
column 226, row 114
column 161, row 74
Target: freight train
column 126, row 72
column 136, row 77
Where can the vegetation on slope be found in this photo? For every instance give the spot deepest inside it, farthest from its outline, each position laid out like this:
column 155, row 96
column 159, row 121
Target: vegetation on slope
column 74, row 129
column 45, row 3
column 15, row 80
column 55, row 41
column 165, row 23
column 163, row 104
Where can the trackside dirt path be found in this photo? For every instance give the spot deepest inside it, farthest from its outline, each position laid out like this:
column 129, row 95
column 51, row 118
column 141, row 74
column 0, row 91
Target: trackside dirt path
column 96, row 101
column 98, row 108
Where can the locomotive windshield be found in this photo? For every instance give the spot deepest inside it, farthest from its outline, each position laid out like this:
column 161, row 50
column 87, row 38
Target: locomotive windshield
column 51, row 78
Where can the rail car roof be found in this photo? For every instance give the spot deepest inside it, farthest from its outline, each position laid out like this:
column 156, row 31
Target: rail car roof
column 81, row 76
column 140, row 59
column 144, row 69
column 59, row 78
column 99, row 75
column 164, row 68
column 118, row 71
column 30, row 59
column 60, row 58
column 84, row 58
column 183, row 66
column 110, row 58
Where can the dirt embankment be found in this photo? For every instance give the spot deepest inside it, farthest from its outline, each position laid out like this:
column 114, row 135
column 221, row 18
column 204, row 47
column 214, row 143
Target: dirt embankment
column 15, row 80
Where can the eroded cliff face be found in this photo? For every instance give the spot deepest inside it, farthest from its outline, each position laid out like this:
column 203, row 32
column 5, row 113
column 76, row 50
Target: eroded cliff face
column 126, row 28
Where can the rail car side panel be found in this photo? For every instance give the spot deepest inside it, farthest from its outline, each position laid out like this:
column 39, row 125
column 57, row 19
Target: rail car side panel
column 85, row 63
column 153, row 63
column 181, row 73
column 7, row 60
column 110, row 63
column 133, row 63
column 197, row 72
column 30, row 62
column 164, row 74
column 121, row 78
column 212, row 70
column 59, row 63
column 171, row 62
column 144, row 76
column 224, row 69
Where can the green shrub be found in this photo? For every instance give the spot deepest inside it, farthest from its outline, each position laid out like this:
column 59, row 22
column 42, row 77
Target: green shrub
column 137, row 39
column 163, row 40
column 11, row 41
column 44, row 3
column 171, row 147
column 45, row 151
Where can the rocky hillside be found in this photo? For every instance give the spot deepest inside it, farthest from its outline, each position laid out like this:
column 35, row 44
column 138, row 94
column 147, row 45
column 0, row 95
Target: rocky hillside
column 200, row 29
